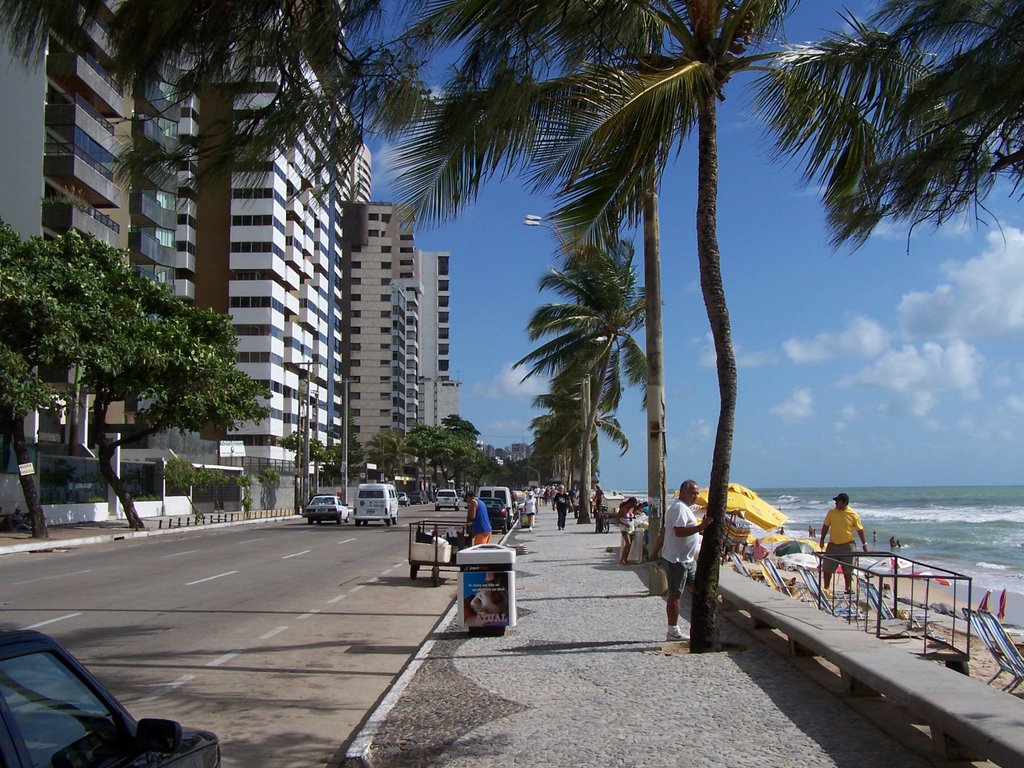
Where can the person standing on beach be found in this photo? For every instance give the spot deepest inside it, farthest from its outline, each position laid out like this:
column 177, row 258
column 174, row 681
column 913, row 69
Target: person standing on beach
column 679, row 551
column 842, row 521
column 561, row 501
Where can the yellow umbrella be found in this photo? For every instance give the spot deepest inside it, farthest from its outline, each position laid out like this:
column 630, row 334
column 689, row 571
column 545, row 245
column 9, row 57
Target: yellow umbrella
column 775, row 538
column 752, row 507
column 812, row 543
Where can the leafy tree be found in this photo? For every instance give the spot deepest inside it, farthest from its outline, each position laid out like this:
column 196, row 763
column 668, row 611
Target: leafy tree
column 590, row 337
column 913, row 115
column 461, row 427
column 45, row 287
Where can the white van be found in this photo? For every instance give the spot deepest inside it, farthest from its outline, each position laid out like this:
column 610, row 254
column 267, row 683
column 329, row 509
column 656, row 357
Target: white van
column 376, row 501
column 499, row 492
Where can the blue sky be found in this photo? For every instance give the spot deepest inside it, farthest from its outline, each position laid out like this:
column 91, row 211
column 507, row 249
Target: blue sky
column 896, row 364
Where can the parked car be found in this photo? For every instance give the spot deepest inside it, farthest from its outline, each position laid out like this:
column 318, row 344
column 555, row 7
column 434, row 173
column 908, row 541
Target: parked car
column 53, row 712
column 403, row 500
column 418, row 497
column 446, row 497
column 322, row 508
column 499, row 513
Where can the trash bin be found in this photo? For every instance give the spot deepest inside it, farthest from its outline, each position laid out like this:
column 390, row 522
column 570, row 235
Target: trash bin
column 487, row 587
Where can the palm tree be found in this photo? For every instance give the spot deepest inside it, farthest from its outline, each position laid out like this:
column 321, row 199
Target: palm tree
column 913, row 115
column 558, row 432
column 387, row 449
column 594, row 99
column 590, row 337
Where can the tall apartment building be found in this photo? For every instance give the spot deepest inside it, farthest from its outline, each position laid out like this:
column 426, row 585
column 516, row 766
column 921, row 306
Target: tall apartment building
column 396, row 324
column 437, row 391
column 64, row 121
column 375, row 316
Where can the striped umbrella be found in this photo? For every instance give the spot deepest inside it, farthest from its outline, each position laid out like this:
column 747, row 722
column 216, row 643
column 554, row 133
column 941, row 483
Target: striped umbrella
column 983, row 605
column 1002, row 606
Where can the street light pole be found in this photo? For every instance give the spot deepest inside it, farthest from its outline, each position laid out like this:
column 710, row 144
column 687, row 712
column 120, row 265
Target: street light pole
column 302, row 449
column 344, row 439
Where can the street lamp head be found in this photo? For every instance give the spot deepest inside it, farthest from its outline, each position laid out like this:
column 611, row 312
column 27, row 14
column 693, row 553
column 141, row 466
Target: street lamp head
column 532, row 220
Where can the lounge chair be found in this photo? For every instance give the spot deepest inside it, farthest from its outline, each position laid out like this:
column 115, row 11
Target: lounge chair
column 738, row 564
column 887, row 620
column 999, row 644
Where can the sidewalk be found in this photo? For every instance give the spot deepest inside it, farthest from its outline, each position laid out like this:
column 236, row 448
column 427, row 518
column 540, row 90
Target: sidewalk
column 586, row 679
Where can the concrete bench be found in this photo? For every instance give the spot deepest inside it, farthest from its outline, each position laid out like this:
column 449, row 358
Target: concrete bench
column 967, row 719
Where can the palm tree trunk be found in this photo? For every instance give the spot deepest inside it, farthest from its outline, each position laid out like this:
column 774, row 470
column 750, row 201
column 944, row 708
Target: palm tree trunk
column 703, row 621
column 656, row 491
column 14, row 425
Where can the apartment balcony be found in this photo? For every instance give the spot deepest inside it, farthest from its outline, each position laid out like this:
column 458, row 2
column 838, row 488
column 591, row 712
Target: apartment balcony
column 73, row 168
column 155, row 95
column 185, row 260
column 85, row 75
column 81, row 114
column 150, row 128
column 147, row 211
column 184, row 289
column 145, row 244
column 62, row 217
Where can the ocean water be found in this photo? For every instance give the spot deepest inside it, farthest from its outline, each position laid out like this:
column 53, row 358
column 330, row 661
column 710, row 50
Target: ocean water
column 977, row 531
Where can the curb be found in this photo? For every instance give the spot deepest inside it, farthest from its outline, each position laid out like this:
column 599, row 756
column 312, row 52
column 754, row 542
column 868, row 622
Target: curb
column 49, row 545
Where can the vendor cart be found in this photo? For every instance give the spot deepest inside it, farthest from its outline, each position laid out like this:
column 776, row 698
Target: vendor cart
column 433, row 544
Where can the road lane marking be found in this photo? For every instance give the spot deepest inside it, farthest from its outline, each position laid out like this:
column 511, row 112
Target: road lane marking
column 179, row 554
column 210, row 578
column 275, row 631
column 346, row 541
column 51, row 577
column 314, row 612
column 249, row 541
column 53, row 621
column 336, row 599
column 163, row 691
column 303, row 552
column 357, row 588
column 222, row 659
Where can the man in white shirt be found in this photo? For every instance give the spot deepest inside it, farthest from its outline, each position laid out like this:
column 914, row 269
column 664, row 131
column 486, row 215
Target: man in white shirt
column 679, row 551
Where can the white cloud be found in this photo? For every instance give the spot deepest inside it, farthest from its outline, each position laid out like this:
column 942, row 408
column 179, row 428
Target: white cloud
column 917, row 375
column 862, row 338
column 798, row 407
column 984, row 297
column 383, row 159
column 507, row 384
column 1015, row 403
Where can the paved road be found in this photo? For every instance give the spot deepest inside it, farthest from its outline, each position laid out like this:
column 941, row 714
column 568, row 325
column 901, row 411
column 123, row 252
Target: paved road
column 279, row 637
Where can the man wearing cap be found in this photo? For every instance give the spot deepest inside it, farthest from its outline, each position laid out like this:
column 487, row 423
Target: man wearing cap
column 842, row 521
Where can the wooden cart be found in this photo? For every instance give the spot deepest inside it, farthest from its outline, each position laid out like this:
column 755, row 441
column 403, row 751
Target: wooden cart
column 433, row 544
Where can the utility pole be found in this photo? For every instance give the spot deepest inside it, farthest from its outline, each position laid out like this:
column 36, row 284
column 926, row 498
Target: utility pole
column 302, row 450
column 657, row 491
column 344, row 439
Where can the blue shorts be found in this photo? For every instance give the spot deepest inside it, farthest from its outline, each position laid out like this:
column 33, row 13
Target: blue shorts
column 678, row 575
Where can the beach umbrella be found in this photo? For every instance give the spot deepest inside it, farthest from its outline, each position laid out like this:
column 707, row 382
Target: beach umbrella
column 743, row 501
column 792, row 548
column 983, row 605
column 1002, row 606
column 815, row 547
column 775, row 538
column 799, row 559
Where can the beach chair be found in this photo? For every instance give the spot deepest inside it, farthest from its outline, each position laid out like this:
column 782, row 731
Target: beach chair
column 999, row 644
column 775, row 580
column 887, row 620
column 738, row 565
column 824, row 599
